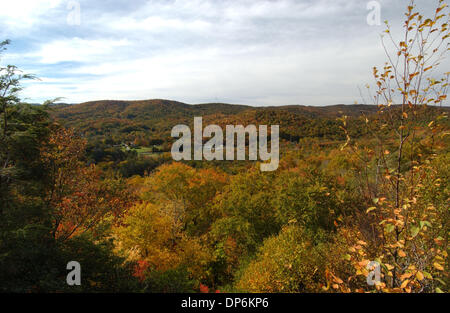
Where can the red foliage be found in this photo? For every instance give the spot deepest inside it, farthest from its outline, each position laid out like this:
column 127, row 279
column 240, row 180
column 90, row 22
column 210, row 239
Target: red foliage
column 204, row 289
column 140, row 268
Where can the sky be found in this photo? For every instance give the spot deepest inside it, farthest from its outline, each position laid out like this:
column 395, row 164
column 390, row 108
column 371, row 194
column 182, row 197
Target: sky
column 254, row 52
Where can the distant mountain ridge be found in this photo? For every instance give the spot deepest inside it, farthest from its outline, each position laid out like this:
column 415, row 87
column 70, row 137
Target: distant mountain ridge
column 103, row 107
column 122, row 120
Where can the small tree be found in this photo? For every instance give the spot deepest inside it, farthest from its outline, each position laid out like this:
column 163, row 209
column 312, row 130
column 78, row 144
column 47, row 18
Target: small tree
column 10, row 78
column 405, row 228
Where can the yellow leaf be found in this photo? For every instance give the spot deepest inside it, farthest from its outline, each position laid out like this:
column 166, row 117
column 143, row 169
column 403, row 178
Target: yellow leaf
column 338, row 280
column 406, row 275
column 401, row 253
column 388, row 266
column 363, row 263
column 419, row 275
column 404, row 284
column 438, row 266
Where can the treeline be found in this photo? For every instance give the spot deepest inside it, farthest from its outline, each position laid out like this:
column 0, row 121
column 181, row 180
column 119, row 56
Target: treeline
column 141, row 123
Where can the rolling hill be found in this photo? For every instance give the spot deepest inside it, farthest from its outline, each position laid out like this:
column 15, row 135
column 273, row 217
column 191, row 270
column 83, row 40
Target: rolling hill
column 149, row 122
column 155, row 118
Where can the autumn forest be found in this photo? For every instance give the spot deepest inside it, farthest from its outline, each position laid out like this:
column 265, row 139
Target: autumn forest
column 358, row 203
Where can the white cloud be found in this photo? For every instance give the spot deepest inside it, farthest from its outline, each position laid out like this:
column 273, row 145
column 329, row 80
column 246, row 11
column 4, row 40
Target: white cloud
column 157, row 24
column 19, row 15
column 78, row 50
column 257, row 76
column 264, row 52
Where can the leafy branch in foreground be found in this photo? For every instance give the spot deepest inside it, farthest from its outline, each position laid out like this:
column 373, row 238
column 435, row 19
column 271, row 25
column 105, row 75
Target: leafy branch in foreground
column 406, row 227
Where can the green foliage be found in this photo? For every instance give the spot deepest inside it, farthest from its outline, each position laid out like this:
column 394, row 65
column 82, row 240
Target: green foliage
column 170, row 281
column 309, row 200
column 102, row 270
column 246, row 206
column 287, row 262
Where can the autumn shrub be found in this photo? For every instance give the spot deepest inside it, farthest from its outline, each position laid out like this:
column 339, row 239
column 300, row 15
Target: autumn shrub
column 404, row 176
column 170, row 281
column 287, row 262
column 151, row 234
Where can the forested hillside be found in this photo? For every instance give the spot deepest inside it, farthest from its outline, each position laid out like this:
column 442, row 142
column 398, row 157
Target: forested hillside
column 134, row 136
column 153, row 119
column 359, row 189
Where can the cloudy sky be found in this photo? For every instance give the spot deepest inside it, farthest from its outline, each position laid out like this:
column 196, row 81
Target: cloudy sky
column 256, row 52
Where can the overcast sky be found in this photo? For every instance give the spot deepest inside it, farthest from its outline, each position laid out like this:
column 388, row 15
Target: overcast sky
column 256, row 52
